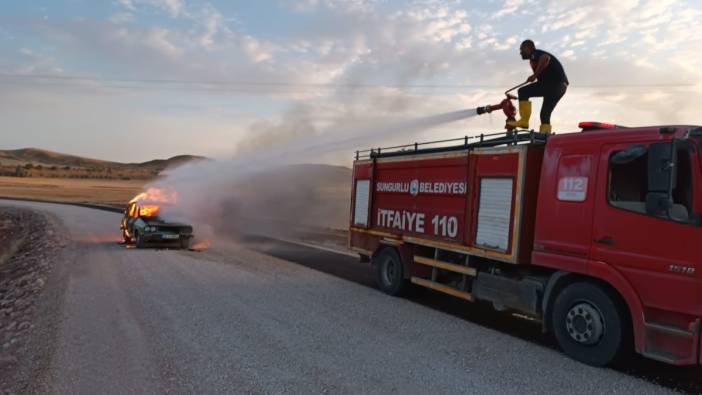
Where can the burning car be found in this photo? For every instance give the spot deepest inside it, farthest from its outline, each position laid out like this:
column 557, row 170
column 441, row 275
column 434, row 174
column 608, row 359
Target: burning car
column 143, row 225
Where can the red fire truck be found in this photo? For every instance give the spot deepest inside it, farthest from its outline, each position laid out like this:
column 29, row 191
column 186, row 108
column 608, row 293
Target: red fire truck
column 593, row 233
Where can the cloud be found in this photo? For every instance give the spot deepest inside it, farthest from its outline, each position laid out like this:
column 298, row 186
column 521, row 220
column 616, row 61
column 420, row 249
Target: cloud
column 213, row 23
column 160, row 40
column 509, row 43
column 174, row 8
column 357, row 60
column 569, row 54
column 36, row 62
column 344, row 6
column 128, row 4
column 509, row 7
column 121, row 18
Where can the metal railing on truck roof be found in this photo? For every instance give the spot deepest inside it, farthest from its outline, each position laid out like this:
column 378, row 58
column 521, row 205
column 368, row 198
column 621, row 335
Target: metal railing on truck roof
column 468, row 142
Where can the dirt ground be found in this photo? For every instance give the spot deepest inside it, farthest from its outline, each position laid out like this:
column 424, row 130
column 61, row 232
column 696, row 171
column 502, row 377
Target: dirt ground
column 109, row 192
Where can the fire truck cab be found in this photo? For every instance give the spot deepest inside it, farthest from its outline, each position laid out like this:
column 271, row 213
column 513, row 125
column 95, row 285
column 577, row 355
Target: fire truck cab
column 592, row 233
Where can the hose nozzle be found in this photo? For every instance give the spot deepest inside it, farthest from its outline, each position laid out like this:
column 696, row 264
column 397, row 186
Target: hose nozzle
column 484, row 109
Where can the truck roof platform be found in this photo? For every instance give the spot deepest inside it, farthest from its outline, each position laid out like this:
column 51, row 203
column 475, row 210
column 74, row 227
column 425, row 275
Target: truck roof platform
column 468, row 142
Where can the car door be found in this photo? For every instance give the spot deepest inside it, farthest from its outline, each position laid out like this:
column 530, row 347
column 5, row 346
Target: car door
column 656, row 254
column 133, row 215
column 124, row 224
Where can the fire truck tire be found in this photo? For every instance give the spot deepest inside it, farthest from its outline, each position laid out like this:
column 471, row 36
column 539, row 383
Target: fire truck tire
column 589, row 325
column 390, row 273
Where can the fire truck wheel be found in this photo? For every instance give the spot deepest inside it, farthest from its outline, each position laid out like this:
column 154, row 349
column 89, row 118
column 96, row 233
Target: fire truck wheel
column 390, row 272
column 589, row 325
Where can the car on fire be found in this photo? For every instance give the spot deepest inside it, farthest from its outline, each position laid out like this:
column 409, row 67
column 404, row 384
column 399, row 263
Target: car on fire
column 142, row 225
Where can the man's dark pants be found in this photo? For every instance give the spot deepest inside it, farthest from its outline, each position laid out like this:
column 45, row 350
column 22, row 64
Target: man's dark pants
column 552, row 92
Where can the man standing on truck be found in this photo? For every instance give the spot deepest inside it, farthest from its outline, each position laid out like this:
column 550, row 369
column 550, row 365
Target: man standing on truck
column 551, row 84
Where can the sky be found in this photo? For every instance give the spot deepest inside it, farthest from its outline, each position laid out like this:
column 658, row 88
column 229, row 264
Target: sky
column 134, row 80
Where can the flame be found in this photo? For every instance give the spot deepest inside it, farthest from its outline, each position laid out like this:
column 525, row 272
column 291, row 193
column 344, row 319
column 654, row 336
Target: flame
column 149, row 210
column 201, row 246
column 156, row 195
column 138, row 197
column 150, row 202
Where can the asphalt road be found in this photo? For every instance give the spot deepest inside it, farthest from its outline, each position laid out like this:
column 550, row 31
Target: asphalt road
column 238, row 319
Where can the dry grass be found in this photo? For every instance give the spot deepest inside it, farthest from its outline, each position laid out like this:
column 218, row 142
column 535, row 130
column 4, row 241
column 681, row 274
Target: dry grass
column 125, row 172
column 111, row 192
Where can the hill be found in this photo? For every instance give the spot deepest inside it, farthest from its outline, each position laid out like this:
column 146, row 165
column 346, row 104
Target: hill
column 48, row 158
column 34, row 162
column 170, row 162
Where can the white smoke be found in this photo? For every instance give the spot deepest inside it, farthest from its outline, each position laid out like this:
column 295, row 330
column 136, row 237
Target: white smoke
column 262, row 184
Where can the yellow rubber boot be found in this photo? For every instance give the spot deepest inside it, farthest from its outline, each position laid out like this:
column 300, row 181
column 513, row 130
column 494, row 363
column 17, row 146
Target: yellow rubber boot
column 524, row 114
column 545, row 128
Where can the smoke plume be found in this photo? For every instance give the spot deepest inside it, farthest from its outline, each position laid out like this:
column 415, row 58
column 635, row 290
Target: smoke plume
column 269, row 186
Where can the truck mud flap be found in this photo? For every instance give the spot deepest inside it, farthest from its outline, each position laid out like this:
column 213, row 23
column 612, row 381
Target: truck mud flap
column 523, row 295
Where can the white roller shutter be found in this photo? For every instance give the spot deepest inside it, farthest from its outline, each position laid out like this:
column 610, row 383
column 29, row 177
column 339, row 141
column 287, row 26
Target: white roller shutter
column 494, row 213
column 360, row 210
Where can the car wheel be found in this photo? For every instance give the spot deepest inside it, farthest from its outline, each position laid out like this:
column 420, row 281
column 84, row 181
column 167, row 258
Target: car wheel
column 185, row 243
column 589, row 324
column 390, row 273
column 139, row 240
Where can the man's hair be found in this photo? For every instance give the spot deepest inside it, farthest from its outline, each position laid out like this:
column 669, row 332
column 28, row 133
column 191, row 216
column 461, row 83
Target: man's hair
column 528, row 44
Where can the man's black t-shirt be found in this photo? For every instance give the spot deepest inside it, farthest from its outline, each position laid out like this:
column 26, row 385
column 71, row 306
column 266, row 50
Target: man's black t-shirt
column 554, row 72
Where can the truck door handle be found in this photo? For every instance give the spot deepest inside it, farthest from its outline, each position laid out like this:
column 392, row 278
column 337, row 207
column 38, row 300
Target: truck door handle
column 605, row 240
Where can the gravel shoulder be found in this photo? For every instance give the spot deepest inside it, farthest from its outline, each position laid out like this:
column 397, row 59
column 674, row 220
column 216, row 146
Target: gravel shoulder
column 30, row 242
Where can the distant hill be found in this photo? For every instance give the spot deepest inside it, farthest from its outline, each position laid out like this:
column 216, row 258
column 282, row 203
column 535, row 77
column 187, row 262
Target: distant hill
column 36, row 162
column 45, row 158
column 170, row 162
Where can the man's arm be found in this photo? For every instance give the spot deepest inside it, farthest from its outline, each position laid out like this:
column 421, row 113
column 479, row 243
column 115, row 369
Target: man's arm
column 541, row 65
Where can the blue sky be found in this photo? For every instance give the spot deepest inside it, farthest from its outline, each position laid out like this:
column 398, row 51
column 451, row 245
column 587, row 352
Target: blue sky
column 131, row 80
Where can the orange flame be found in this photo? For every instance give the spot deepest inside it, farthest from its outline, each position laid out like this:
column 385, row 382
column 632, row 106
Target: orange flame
column 149, row 210
column 138, row 197
column 157, row 195
column 201, row 246
column 149, row 202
